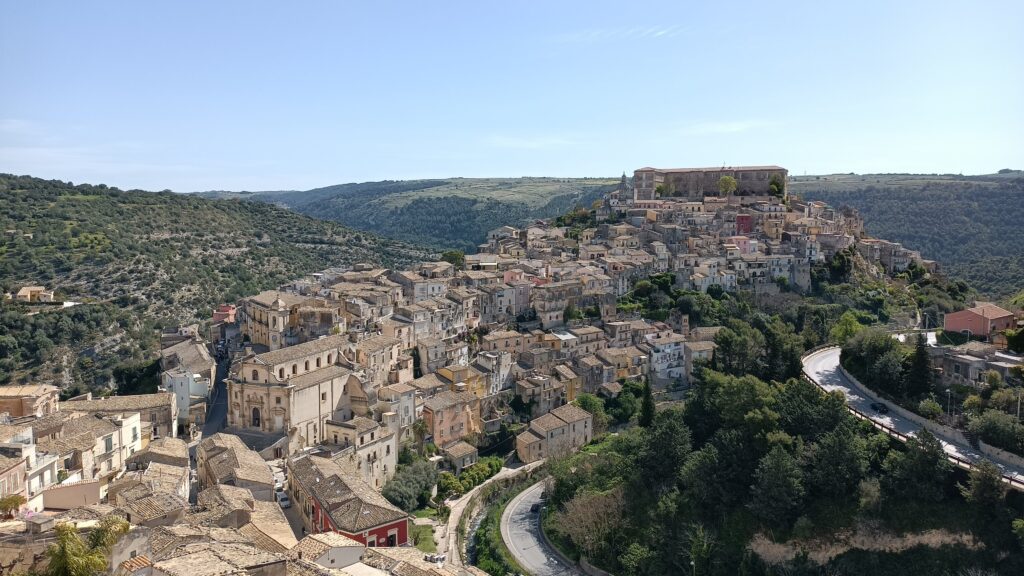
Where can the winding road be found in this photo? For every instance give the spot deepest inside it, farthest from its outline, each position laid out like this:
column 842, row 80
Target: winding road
column 822, row 367
column 520, row 529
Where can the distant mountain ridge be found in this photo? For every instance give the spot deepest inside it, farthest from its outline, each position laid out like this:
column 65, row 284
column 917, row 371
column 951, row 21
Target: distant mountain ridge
column 442, row 213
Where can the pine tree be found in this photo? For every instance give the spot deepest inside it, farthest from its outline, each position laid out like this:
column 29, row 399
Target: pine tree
column 647, row 407
column 919, row 375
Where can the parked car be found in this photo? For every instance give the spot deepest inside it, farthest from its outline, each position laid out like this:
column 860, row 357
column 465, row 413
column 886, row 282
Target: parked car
column 284, row 500
column 879, row 407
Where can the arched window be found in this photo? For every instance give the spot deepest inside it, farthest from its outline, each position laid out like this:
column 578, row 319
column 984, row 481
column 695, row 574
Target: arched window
column 329, row 359
column 280, row 373
column 255, row 375
column 307, row 366
column 295, row 369
column 255, row 417
column 318, row 362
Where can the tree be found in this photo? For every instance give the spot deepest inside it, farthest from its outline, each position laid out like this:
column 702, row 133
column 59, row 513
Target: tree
column 595, row 406
column 420, row 431
column 636, row 560
column 778, row 489
column 647, row 407
column 448, row 486
column 919, row 373
column 919, row 473
column 929, row 408
column 845, row 328
column 985, row 488
column 837, row 463
column 776, row 186
column 11, row 503
column 739, row 348
column 590, row 518
column 726, row 185
column 411, row 486
column 73, row 556
column 456, row 258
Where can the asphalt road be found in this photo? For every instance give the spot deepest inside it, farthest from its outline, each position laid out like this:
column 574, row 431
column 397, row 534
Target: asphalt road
column 520, row 529
column 823, row 367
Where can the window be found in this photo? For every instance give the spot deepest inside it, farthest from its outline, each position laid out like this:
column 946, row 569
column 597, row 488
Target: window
column 318, row 365
column 108, row 444
column 277, row 400
column 295, row 369
column 335, row 438
column 255, row 375
column 323, row 396
column 329, row 358
column 306, row 366
column 280, row 373
column 387, row 452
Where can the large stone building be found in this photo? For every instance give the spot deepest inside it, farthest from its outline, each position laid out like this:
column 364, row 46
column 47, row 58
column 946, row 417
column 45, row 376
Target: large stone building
column 695, row 183
column 295, row 390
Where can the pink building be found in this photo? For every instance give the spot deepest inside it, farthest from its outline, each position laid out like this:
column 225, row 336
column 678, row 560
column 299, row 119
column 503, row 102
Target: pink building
column 983, row 320
column 224, row 313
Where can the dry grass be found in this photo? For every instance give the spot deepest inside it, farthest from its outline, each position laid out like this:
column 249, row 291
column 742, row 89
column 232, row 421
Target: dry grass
column 863, row 537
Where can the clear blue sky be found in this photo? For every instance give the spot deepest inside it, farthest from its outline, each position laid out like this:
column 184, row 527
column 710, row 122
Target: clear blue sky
column 293, row 95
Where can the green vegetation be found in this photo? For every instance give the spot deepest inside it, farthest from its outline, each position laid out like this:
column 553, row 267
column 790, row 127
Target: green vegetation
column 453, row 213
column 84, row 347
column 71, row 555
column 423, row 538
column 142, row 260
column 412, row 485
column 748, row 461
column 451, row 486
column 491, row 554
column 971, row 225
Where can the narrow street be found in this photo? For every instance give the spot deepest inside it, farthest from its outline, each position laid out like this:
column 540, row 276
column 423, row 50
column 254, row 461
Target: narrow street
column 217, row 412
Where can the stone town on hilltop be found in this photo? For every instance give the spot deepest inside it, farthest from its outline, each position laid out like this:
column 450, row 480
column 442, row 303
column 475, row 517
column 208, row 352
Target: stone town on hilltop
column 327, row 378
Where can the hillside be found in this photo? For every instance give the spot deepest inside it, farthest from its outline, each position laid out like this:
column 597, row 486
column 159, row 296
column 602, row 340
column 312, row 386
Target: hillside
column 140, row 260
column 170, row 255
column 971, row 225
column 449, row 213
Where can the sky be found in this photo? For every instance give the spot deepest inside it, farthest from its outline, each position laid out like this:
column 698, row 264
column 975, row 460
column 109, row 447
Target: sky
column 253, row 95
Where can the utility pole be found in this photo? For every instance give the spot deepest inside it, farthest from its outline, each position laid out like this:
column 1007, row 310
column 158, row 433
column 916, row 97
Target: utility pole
column 949, row 402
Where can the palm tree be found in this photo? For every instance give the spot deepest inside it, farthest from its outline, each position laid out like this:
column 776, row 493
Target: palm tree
column 419, row 430
column 73, row 556
column 11, row 503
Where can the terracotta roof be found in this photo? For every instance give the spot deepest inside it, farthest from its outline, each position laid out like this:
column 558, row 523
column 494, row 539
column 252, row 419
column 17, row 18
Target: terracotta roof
column 298, row 351
column 26, row 390
column 137, row 563
column 315, row 545
column 448, row 398
column 121, row 403
column 547, row 422
column 352, row 504
column 460, row 449
column 571, row 413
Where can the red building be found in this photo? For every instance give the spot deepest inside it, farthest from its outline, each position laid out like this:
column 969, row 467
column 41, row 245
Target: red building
column 333, row 500
column 744, row 223
column 983, row 320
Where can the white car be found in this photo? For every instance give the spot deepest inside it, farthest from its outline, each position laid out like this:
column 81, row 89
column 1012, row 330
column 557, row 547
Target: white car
column 284, row 500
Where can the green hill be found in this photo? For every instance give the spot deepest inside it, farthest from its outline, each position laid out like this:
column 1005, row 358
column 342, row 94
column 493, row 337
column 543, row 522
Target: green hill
column 970, row 224
column 140, row 260
column 449, row 213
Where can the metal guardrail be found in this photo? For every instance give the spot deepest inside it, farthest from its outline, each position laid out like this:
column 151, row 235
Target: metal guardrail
column 960, row 462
